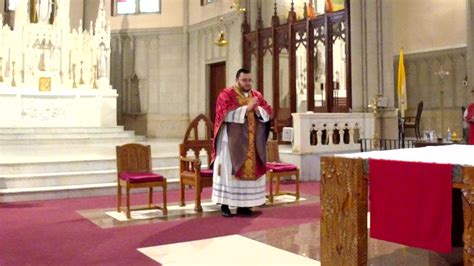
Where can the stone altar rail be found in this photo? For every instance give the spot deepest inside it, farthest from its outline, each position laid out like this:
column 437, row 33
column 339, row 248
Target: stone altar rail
column 331, row 132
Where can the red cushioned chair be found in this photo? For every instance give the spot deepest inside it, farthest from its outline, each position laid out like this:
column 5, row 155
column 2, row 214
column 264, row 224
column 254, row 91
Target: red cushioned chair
column 276, row 170
column 134, row 170
column 190, row 172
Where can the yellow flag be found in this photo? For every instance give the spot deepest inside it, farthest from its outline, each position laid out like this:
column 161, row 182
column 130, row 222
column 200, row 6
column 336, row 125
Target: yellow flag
column 402, row 86
column 334, row 5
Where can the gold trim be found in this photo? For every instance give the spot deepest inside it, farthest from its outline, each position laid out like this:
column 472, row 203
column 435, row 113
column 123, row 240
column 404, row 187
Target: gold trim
column 250, row 165
column 44, row 84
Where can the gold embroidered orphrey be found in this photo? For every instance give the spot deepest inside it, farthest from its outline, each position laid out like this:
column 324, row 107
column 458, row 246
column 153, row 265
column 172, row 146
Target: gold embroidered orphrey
column 250, row 164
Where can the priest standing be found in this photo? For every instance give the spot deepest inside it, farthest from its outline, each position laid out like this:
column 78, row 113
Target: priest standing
column 469, row 119
column 239, row 150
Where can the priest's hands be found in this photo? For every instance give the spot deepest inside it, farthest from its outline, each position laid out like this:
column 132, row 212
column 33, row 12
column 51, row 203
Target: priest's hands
column 252, row 105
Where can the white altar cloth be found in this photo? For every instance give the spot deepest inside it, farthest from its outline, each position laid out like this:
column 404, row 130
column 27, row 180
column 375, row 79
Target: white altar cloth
column 447, row 154
column 27, row 107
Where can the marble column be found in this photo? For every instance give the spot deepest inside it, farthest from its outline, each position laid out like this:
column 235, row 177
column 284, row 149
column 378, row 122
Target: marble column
column 372, row 61
column 470, row 43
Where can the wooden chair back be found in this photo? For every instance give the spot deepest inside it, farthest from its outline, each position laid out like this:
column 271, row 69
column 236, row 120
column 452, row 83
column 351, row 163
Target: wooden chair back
column 282, row 119
column 196, row 142
column 272, row 151
column 134, row 157
column 419, row 110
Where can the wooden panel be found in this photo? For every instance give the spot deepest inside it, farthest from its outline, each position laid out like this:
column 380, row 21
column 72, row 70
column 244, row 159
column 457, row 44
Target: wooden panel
column 275, row 72
column 290, row 36
column 217, row 81
column 343, row 212
column 292, row 67
column 259, row 56
column 468, row 209
column 348, row 56
column 310, row 66
column 133, row 157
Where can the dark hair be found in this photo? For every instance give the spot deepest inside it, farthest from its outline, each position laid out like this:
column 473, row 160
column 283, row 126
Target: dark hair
column 240, row 71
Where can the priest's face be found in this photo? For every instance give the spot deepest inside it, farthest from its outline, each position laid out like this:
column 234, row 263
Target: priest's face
column 245, row 81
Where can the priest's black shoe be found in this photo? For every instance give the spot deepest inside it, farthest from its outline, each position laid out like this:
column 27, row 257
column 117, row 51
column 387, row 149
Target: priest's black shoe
column 244, row 211
column 225, row 211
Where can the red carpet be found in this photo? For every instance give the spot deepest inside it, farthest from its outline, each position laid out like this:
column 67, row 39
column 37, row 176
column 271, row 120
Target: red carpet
column 53, row 233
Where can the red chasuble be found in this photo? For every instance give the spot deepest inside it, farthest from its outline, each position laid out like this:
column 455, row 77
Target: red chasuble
column 470, row 120
column 249, row 164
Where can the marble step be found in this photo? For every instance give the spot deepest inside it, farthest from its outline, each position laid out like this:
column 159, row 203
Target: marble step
column 51, row 171
column 70, row 191
column 69, row 140
column 53, row 167
column 18, row 181
column 42, row 186
column 99, row 172
column 58, row 130
column 66, row 135
column 70, row 135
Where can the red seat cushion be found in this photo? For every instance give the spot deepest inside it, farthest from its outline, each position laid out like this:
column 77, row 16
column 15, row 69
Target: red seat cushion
column 141, row 177
column 207, row 173
column 281, row 167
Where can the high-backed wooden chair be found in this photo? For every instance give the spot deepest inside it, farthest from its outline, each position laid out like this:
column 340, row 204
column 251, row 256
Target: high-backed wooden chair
column 277, row 169
column 414, row 121
column 134, row 170
column 283, row 119
column 190, row 172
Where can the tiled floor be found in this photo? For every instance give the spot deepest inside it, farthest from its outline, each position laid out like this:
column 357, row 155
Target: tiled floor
column 232, row 249
column 109, row 218
column 302, row 240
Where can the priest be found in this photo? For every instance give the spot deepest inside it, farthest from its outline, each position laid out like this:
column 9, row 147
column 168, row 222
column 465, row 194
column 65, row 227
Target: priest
column 469, row 119
column 239, row 149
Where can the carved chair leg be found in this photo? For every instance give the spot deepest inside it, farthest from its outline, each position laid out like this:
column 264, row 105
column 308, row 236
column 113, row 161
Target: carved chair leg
column 128, row 203
column 270, row 197
column 150, row 197
column 277, row 186
column 197, row 193
column 119, row 198
column 165, row 203
column 297, row 180
column 182, row 201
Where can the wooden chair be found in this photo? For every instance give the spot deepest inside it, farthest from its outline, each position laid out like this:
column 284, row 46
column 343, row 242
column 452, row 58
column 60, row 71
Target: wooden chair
column 190, row 167
column 414, row 121
column 283, row 119
column 277, row 169
column 385, row 144
column 134, row 170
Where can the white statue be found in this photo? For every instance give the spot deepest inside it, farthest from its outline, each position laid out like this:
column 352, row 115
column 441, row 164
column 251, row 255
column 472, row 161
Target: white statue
column 102, row 62
column 35, row 49
column 56, row 59
column 43, row 10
